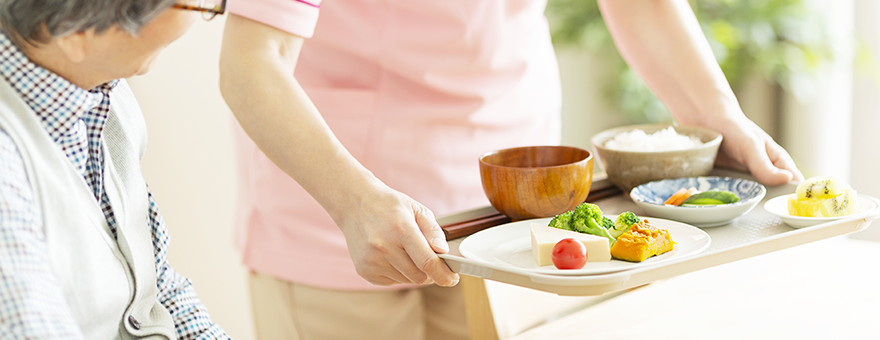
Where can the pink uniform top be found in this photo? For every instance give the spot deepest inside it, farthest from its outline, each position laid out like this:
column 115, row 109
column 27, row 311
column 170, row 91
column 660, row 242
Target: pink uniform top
column 416, row 90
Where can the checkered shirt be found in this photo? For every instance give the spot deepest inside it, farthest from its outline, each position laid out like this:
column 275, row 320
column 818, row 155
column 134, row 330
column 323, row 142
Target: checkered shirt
column 31, row 303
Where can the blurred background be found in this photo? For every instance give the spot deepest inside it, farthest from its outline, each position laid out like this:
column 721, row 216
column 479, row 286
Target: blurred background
column 805, row 70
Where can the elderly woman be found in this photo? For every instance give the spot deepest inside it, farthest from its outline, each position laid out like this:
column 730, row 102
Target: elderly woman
column 82, row 245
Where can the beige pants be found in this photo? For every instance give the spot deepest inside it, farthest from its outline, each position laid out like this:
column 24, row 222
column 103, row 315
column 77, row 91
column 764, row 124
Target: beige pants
column 285, row 310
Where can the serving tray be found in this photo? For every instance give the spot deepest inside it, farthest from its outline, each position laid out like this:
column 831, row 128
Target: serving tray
column 758, row 232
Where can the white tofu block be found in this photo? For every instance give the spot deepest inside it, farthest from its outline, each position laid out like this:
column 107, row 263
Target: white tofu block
column 544, row 238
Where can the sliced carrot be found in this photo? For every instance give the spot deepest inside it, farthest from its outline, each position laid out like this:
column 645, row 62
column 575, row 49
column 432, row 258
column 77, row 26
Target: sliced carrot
column 687, row 194
column 674, row 198
column 680, row 195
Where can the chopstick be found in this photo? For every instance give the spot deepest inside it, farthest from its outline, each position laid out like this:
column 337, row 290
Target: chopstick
column 470, row 226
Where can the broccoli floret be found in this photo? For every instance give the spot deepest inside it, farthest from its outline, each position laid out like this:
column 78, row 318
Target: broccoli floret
column 562, row 221
column 623, row 223
column 588, row 219
column 607, row 223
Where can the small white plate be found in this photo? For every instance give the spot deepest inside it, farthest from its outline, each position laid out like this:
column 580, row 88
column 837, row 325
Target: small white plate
column 650, row 197
column 510, row 245
column 779, row 206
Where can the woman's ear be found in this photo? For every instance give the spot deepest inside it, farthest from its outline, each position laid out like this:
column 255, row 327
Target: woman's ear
column 73, row 45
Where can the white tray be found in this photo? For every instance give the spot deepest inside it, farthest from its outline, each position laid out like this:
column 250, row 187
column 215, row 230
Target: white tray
column 759, row 232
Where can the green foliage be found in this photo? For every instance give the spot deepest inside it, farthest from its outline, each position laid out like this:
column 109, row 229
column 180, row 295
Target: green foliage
column 782, row 40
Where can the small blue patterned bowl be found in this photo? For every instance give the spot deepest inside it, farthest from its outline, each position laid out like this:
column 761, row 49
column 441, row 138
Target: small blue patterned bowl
column 650, row 197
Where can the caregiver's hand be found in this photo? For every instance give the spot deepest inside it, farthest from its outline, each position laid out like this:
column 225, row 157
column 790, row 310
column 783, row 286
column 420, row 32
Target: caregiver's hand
column 394, row 239
column 747, row 147
column 662, row 41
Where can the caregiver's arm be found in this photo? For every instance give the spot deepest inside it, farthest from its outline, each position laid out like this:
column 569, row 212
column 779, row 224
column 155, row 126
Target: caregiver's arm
column 662, row 41
column 387, row 232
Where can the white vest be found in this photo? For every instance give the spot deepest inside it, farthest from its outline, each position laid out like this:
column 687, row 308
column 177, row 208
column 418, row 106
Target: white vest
column 109, row 285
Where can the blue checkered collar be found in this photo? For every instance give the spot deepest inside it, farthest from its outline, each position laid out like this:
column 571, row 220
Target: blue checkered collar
column 57, row 102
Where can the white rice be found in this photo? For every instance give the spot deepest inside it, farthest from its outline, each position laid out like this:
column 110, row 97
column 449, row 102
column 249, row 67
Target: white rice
column 663, row 140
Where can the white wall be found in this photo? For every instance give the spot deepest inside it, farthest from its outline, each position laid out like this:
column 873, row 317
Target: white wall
column 817, row 121
column 189, row 166
column 866, row 109
column 585, row 111
column 866, row 102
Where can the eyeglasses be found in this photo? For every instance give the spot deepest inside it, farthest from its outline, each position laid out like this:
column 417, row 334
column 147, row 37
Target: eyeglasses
column 208, row 8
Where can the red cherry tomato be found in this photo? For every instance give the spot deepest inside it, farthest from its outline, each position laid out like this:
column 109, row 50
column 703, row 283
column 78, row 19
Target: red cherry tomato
column 569, row 253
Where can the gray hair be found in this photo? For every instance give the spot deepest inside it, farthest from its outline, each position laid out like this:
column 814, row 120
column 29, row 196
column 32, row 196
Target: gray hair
column 30, row 20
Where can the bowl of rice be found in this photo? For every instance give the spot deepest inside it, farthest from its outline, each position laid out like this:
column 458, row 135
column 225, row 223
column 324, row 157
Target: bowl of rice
column 638, row 154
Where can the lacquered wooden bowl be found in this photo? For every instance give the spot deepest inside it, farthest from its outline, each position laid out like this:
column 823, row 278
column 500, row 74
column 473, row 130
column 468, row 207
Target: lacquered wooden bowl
column 536, row 181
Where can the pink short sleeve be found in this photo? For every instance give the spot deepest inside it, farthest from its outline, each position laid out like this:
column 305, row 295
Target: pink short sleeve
column 294, row 16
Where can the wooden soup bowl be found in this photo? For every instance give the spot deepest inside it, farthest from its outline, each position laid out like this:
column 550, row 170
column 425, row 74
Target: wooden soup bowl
column 536, row 181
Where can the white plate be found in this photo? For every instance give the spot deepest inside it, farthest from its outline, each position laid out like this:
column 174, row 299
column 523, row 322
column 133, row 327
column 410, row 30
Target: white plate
column 779, row 206
column 511, row 245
